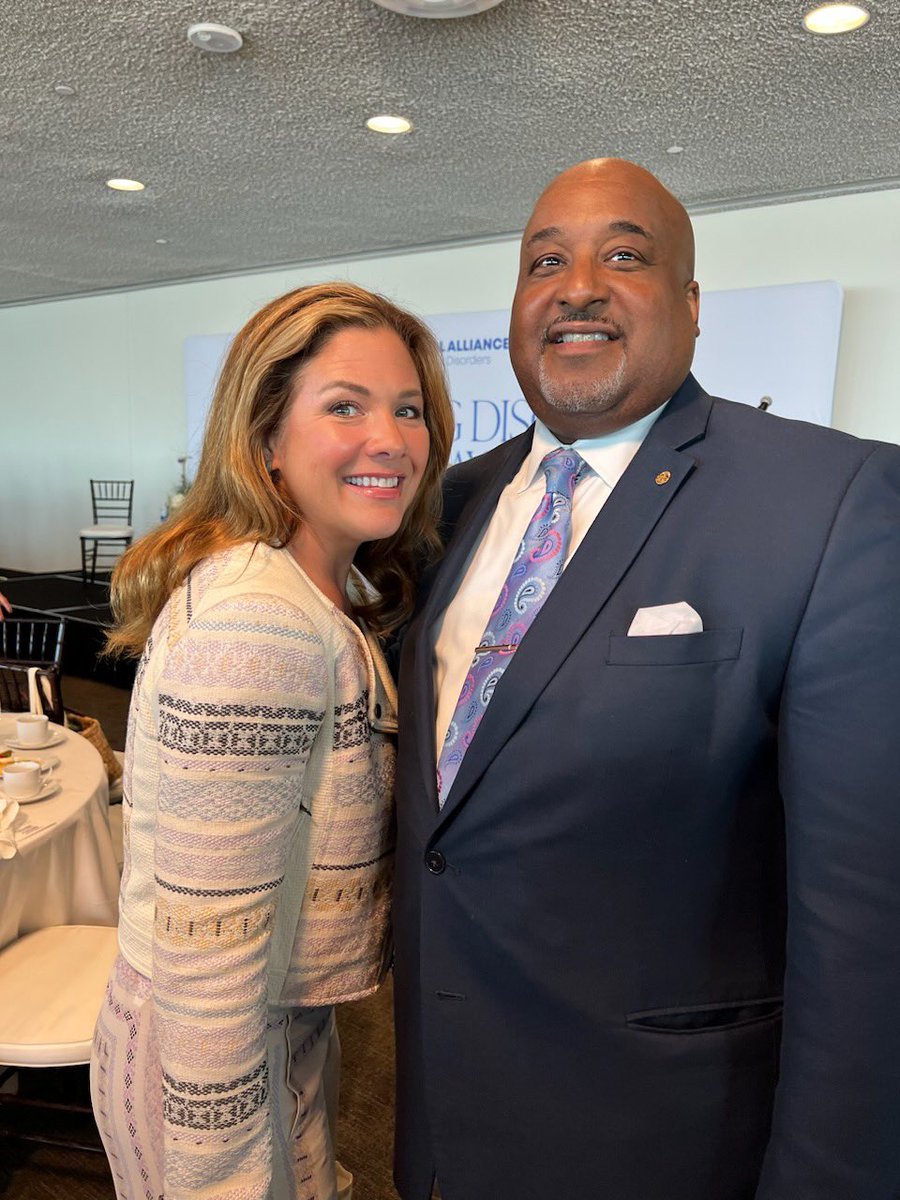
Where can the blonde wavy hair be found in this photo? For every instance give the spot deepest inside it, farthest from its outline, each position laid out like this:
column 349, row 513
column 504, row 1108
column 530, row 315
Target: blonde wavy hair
column 235, row 499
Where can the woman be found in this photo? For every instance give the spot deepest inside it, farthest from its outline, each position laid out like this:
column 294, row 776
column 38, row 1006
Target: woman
column 258, row 826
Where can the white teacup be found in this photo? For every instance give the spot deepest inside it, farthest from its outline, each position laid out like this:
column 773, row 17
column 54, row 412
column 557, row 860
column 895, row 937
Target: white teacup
column 23, row 780
column 32, row 730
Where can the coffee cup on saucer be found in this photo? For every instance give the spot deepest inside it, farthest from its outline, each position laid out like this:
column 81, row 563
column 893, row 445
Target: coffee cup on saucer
column 23, row 780
column 32, row 730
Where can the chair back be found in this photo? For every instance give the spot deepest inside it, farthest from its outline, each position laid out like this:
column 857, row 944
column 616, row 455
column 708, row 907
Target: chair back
column 14, row 690
column 111, row 500
column 37, row 643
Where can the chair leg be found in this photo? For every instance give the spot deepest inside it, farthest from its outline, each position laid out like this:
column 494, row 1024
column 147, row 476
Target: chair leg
column 24, row 1128
column 88, row 574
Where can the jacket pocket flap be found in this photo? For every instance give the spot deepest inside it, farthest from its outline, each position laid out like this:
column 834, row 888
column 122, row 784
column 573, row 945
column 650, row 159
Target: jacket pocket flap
column 707, row 1017
column 674, row 649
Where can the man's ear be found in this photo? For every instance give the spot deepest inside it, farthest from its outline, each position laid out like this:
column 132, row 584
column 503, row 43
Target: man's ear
column 692, row 295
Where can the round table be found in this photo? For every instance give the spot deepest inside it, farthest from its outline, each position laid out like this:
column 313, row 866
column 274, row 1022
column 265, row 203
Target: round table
column 65, row 871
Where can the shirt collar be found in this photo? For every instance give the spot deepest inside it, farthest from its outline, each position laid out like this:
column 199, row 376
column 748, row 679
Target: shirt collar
column 608, row 456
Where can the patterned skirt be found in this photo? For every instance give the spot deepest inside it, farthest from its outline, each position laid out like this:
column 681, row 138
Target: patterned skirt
column 126, row 1091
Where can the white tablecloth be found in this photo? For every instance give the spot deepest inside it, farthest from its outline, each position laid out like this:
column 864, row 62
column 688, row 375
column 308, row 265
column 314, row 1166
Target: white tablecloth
column 65, row 871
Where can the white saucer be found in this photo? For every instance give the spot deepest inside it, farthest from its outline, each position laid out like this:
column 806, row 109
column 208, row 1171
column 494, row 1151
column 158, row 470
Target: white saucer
column 53, row 740
column 49, row 789
column 47, row 764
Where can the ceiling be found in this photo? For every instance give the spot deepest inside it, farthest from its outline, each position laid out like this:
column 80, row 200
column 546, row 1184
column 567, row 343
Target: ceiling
column 262, row 158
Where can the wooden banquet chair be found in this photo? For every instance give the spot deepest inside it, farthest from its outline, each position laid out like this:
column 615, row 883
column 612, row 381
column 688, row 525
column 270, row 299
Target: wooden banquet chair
column 112, row 531
column 36, row 643
column 52, row 984
column 27, row 644
column 14, row 692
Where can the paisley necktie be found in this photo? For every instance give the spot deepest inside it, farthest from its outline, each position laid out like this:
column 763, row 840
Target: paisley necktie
column 536, row 567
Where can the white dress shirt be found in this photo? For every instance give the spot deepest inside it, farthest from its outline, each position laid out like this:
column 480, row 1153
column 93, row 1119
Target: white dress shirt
column 466, row 617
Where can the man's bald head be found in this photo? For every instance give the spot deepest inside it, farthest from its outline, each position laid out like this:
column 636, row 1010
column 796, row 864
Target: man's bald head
column 606, row 170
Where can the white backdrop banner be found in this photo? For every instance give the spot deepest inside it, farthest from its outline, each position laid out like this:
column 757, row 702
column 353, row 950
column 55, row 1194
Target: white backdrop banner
column 771, row 345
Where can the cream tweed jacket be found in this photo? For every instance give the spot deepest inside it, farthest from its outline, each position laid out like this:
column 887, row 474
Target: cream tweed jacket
column 258, row 836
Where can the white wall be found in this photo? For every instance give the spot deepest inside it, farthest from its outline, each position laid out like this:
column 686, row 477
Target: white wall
column 94, row 386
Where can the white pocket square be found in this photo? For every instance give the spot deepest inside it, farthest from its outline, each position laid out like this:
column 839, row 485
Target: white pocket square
column 665, row 618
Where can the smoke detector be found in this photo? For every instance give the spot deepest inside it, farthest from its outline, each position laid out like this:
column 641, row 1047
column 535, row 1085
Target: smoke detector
column 214, row 39
column 438, row 8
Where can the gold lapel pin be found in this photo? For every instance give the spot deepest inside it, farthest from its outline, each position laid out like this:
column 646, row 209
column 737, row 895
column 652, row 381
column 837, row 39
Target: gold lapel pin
column 663, row 477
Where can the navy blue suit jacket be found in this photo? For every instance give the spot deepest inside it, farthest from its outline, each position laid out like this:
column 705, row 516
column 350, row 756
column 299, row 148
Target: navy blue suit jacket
column 650, row 949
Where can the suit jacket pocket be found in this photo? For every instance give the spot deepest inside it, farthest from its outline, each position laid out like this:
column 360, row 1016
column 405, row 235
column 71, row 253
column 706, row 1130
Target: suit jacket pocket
column 707, row 1018
column 674, row 649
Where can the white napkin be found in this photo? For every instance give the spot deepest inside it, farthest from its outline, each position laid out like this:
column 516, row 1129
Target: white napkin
column 34, row 695
column 665, row 618
column 9, row 810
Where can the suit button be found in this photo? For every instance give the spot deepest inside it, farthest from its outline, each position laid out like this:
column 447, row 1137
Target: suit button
column 435, row 862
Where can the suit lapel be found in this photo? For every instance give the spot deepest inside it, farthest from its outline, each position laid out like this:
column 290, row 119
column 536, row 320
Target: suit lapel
column 472, row 519
column 655, row 475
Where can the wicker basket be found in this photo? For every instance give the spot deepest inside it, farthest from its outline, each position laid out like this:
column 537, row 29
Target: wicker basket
column 90, row 728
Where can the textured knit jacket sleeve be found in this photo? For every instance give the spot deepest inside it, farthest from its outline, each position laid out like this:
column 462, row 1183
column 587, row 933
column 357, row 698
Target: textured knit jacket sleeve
column 240, row 703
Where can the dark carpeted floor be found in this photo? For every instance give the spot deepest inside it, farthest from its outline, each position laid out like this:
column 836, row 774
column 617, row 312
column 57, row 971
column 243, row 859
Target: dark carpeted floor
column 29, row 1171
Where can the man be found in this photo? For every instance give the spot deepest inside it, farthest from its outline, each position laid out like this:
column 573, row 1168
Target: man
column 648, row 933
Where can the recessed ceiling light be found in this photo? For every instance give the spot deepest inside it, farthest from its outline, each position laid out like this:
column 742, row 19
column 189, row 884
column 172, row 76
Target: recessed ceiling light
column 213, row 38
column 64, row 89
column 438, row 8
column 162, row 241
column 385, row 123
column 675, row 149
column 125, row 185
column 835, row 18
